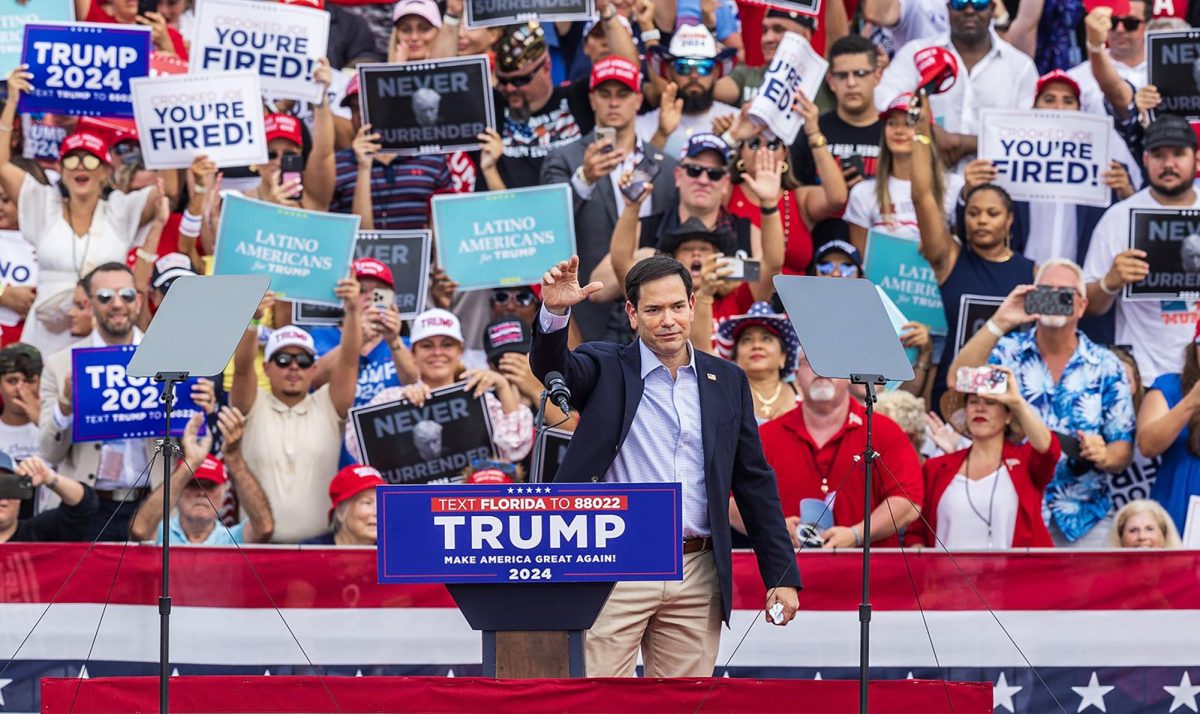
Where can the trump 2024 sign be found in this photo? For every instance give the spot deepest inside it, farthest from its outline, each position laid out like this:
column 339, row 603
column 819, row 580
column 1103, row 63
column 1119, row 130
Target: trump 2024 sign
column 502, row 533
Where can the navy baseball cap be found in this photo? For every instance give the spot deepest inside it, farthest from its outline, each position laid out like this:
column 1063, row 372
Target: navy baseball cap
column 839, row 246
column 700, row 143
column 7, row 465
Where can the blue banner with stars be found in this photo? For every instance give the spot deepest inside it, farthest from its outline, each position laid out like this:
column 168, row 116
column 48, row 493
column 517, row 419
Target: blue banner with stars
column 504, row 533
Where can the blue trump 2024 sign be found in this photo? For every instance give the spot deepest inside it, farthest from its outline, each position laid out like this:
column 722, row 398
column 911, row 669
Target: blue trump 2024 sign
column 499, row 238
column 84, row 68
column 598, row 532
column 110, row 405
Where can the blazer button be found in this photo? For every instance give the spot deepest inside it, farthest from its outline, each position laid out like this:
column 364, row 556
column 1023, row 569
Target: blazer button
column 595, row 479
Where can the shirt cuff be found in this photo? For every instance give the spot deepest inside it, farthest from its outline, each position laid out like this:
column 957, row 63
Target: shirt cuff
column 548, row 320
column 60, row 420
column 582, row 188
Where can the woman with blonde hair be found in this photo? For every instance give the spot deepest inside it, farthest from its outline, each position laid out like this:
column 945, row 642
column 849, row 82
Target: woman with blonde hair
column 1143, row 523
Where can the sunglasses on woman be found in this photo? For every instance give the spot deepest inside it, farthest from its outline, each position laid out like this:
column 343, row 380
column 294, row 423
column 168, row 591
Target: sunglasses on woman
column 272, row 155
column 714, row 174
column 89, row 161
column 771, row 145
column 523, row 298
column 283, row 360
column 978, row 5
column 845, row 270
column 1129, row 23
column 702, row 67
column 105, row 295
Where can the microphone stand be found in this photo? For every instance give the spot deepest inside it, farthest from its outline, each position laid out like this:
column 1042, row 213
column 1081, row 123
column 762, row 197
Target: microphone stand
column 864, row 608
column 539, row 432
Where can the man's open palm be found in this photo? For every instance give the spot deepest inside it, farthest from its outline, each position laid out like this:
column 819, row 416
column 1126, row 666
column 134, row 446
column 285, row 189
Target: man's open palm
column 561, row 289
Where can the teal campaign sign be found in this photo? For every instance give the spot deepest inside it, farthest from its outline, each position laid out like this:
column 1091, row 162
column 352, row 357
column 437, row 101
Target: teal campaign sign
column 304, row 252
column 895, row 264
column 16, row 14
column 499, row 238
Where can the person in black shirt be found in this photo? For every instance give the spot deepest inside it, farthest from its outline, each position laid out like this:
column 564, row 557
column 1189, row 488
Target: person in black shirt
column 853, row 128
column 66, row 523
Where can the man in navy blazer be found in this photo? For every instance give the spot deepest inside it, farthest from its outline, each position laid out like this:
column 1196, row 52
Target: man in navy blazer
column 658, row 410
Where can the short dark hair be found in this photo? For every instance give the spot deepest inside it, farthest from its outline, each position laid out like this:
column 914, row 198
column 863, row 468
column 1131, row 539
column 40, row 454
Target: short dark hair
column 854, row 45
column 110, row 267
column 1147, row 9
column 651, row 269
column 1004, row 196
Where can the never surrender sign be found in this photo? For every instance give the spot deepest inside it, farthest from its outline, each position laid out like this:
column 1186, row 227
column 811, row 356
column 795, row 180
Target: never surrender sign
column 1173, row 67
column 432, row 443
column 405, row 252
column 495, row 13
column 500, row 238
column 1046, row 155
column 281, row 43
column 515, row 532
column 181, row 117
column 436, row 107
column 1171, row 240
column 84, row 69
column 110, row 405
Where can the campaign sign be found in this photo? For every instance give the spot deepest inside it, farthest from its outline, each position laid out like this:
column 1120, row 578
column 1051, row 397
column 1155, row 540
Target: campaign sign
column 84, row 68
column 165, row 65
column 1173, row 67
column 548, row 454
column 432, row 443
column 896, row 265
column 500, row 238
column 1044, row 155
column 973, row 312
column 796, row 65
column 804, row 7
column 496, row 13
column 304, row 252
column 420, row 108
column 501, row 533
column 16, row 14
column 110, row 405
column 18, row 268
column 280, row 43
column 184, row 116
column 1171, row 239
column 405, row 252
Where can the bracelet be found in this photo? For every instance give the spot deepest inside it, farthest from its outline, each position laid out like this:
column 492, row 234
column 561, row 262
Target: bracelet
column 6, row 129
column 923, row 366
column 768, row 210
column 818, row 141
column 857, row 536
column 398, row 345
column 727, row 137
column 993, row 328
column 146, row 255
column 189, row 225
column 1103, row 281
column 1094, row 49
column 923, row 139
column 451, row 20
column 651, row 35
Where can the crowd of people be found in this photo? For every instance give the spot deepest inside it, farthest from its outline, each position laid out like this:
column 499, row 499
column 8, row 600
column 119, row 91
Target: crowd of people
column 1093, row 441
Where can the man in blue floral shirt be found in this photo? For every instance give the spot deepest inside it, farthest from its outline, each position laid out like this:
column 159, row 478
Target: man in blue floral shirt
column 1078, row 388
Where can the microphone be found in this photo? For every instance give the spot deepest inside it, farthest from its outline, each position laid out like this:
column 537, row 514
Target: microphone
column 557, row 391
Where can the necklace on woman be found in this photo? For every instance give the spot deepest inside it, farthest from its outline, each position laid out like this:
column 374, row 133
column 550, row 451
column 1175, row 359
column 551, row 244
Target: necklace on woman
column 991, row 500
column 785, row 213
column 767, row 405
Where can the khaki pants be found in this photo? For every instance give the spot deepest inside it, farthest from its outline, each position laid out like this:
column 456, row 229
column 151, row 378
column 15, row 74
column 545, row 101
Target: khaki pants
column 676, row 624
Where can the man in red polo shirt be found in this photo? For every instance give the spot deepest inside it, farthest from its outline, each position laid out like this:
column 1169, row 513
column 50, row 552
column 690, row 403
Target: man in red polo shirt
column 813, row 451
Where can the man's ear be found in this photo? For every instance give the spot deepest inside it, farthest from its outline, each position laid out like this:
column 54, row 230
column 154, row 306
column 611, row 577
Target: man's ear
column 631, row 313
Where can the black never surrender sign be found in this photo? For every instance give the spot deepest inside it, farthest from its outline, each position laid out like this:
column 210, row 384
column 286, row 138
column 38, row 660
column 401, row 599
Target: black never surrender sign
column 1173, row 67
column 494, row 13
column 1171, row 239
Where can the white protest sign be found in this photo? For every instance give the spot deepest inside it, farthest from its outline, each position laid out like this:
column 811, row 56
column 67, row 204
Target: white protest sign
column 280, row 43
column 219, row 115
column 796, row 64
column 1046, row 155
column 18, row 268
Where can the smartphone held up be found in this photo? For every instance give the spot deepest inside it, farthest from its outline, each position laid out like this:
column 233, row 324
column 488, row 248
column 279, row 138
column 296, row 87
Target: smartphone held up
column 981, row 380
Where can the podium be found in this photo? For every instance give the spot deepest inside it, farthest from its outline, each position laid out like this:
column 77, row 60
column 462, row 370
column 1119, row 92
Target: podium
column 532, row 630
column 530, row 566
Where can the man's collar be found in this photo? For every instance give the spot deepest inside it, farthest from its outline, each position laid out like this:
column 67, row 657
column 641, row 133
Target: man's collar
column 651, row 362
column 1085, row 348
column 278, row 405
column 95, row 340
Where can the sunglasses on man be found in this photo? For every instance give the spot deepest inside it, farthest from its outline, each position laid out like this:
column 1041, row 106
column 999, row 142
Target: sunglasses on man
column 1129, row 23
column 715, row 173
column 523, row 298
column 520, row 80
column 90, row 162
column 702, row 67
column 272, row 155
column 977, row 5
column 105, row 295
column 283, row 360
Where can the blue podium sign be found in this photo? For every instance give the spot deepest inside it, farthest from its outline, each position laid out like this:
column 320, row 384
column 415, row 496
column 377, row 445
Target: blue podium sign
column 504, row 533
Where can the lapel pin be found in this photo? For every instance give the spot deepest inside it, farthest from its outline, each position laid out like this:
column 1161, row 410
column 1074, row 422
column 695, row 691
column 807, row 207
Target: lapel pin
column 711, row 377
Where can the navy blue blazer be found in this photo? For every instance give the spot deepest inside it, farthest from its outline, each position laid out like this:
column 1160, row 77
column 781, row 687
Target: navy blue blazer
column 606, row 388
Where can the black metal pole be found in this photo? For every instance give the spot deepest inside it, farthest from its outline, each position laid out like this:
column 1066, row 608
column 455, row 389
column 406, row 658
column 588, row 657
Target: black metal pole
column 539, row 426
column 864, row 608
column 168, row 380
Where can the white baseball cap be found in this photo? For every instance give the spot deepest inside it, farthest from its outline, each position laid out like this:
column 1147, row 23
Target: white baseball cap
column 290, row 336
column 693, row 42
column 432, row 323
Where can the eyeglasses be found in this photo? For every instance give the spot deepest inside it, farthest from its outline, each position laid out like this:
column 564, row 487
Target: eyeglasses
column 523, row 298
column 283, row 360
column 977, row 5
column 856, row 73
column 714, row 174
column 1129, row 23
column 272, row 155
column 522, row 79
column 756, row 143
column 702, row 67
column 845, row 270
column 105, row 295
column 90, row 162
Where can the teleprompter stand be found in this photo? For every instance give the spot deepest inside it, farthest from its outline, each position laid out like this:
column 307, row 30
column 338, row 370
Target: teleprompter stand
column 194, row 332
column 869, row 355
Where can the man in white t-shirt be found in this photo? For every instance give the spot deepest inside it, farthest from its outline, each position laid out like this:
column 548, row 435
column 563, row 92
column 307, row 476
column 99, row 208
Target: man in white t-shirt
column 1158, row 330
column 1127, row 49
column 907, row 19
column 20, row 377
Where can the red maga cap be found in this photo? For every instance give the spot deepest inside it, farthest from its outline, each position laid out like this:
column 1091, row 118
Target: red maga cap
column 938, row 68
column 283, row 126
column 90, row 142
column 616, row 69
